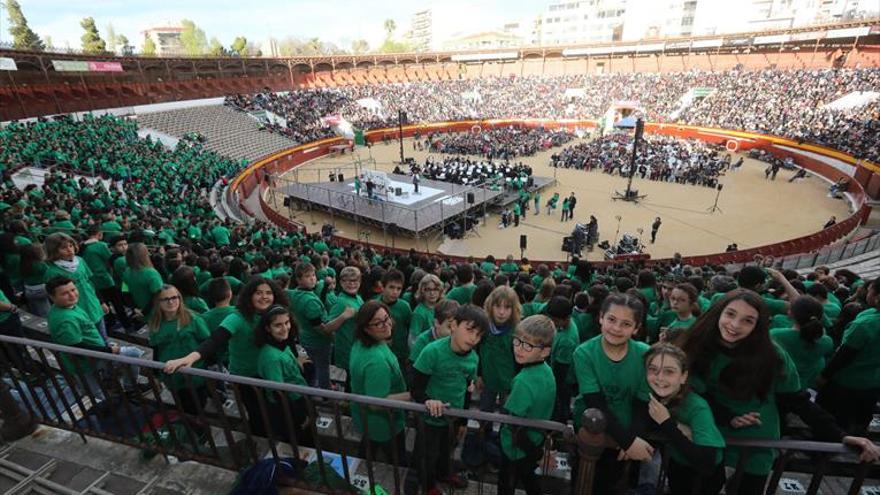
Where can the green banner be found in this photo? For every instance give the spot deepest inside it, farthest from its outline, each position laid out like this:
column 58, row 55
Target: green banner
column 70, row 66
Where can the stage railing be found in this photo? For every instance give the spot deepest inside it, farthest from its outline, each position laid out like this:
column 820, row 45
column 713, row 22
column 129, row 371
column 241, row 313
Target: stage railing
column 234, row 422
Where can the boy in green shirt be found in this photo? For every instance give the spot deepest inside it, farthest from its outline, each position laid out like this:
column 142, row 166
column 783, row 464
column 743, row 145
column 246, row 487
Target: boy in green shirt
column 443, row 373
column 532, row 395
column 71, row 326
column 316, row 334
column 219, row 294
column 443, row 314
column 401, row 314
column 348, row 299
column 567, row 339
column 464, row 291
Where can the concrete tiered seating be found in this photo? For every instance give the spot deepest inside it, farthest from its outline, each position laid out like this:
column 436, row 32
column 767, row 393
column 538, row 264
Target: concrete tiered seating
column 229, row 132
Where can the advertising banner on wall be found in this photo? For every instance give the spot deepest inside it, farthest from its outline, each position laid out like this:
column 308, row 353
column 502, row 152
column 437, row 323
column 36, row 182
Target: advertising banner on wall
column 105, row 67
column 7, row 63
column 85, row 66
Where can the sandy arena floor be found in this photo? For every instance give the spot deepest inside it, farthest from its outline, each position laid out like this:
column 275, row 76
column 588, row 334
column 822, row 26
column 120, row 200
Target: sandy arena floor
column 754, row 212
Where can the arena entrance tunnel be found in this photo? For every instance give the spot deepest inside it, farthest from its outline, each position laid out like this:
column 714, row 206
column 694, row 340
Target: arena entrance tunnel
column 828, row 163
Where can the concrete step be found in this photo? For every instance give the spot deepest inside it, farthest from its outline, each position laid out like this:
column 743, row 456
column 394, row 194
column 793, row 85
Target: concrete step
column 57, row 461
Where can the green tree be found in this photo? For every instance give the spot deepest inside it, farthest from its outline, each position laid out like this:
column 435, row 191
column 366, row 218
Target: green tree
column 47, row 40
column 216, row 49
column 390, row 26
column 122, row 40
column 23, row 37
column 239, row 46
column 193, row 39
column 360, row 46
column 112, row 40
column 149, row 47
column 91, row 40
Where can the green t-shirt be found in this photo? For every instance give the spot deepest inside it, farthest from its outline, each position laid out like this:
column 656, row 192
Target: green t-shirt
column 375, row 372
column 760, row 461
column 863, row 334
column 170, row 342
column 487, row 268
column 82, row 278
column 220, row 234
column 450, row 374
column 196, row 304
column 4, row 315
column 142, row 284
column 621, row 382
column 72, row 326
column 533, row 308
column 344, row 337
column 308, row 311
column 497, row 363
column 462, row 293
column 532, row 395
column 420, row 343
column 509, row 268
column 213, row 318
column 422, row 319
column 401, row 314
column 564, row 344
column 97, row 256
column 694, row 412
column 243, row 351
column 279, row 365
column 119, row 267
column 808, row 359
column 587, row 326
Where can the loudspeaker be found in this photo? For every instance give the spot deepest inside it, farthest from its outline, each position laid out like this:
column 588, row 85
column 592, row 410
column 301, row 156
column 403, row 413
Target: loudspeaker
column 470, row 198
column 530, row 182
column 340, row 178
column 523, row 240
column 398, row 191
column 286, row 201
column 640, row 129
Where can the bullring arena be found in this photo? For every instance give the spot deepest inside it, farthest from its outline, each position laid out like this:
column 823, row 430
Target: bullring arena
column 267, row 200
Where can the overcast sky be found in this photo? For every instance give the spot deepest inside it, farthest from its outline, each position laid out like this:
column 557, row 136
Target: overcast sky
column 338, row 21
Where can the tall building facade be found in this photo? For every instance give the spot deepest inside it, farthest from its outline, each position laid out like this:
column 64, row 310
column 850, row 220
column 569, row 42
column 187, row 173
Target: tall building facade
column 421, row 31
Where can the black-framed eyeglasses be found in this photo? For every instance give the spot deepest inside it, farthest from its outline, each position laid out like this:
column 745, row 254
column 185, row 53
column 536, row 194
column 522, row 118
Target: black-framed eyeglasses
column 381, row 323
column 526, row 346
column 169, row 299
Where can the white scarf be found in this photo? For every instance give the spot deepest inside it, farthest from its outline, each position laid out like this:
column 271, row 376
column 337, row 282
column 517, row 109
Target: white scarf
column 70, row 266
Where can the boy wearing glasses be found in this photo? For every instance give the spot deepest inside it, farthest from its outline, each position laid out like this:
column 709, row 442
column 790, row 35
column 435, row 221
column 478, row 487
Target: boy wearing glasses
column 350, row 280
column 532, row 395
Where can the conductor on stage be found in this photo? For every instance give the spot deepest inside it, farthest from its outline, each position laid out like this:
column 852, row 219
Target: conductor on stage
column 415, row 182
column 370, row 187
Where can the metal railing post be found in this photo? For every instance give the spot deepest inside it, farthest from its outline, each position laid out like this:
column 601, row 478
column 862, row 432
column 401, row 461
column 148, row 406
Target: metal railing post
column 590, row 444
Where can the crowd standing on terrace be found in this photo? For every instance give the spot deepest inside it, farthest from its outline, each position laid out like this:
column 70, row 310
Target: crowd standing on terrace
column 694, row 354
column 781, row 102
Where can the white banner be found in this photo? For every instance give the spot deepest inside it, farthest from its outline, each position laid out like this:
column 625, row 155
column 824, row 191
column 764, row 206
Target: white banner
column 7, row 63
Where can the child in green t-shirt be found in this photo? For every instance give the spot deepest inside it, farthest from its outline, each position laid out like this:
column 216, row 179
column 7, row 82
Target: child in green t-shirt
column 443, row 374
column 685, row 421
column 532, row 395
column 610, row 373
column 497, row 366
column 443, row 320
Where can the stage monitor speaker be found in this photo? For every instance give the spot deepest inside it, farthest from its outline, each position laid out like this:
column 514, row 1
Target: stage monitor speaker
column 340, row 178
column 470, row 198
column 286, row 201
column 523, row 240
